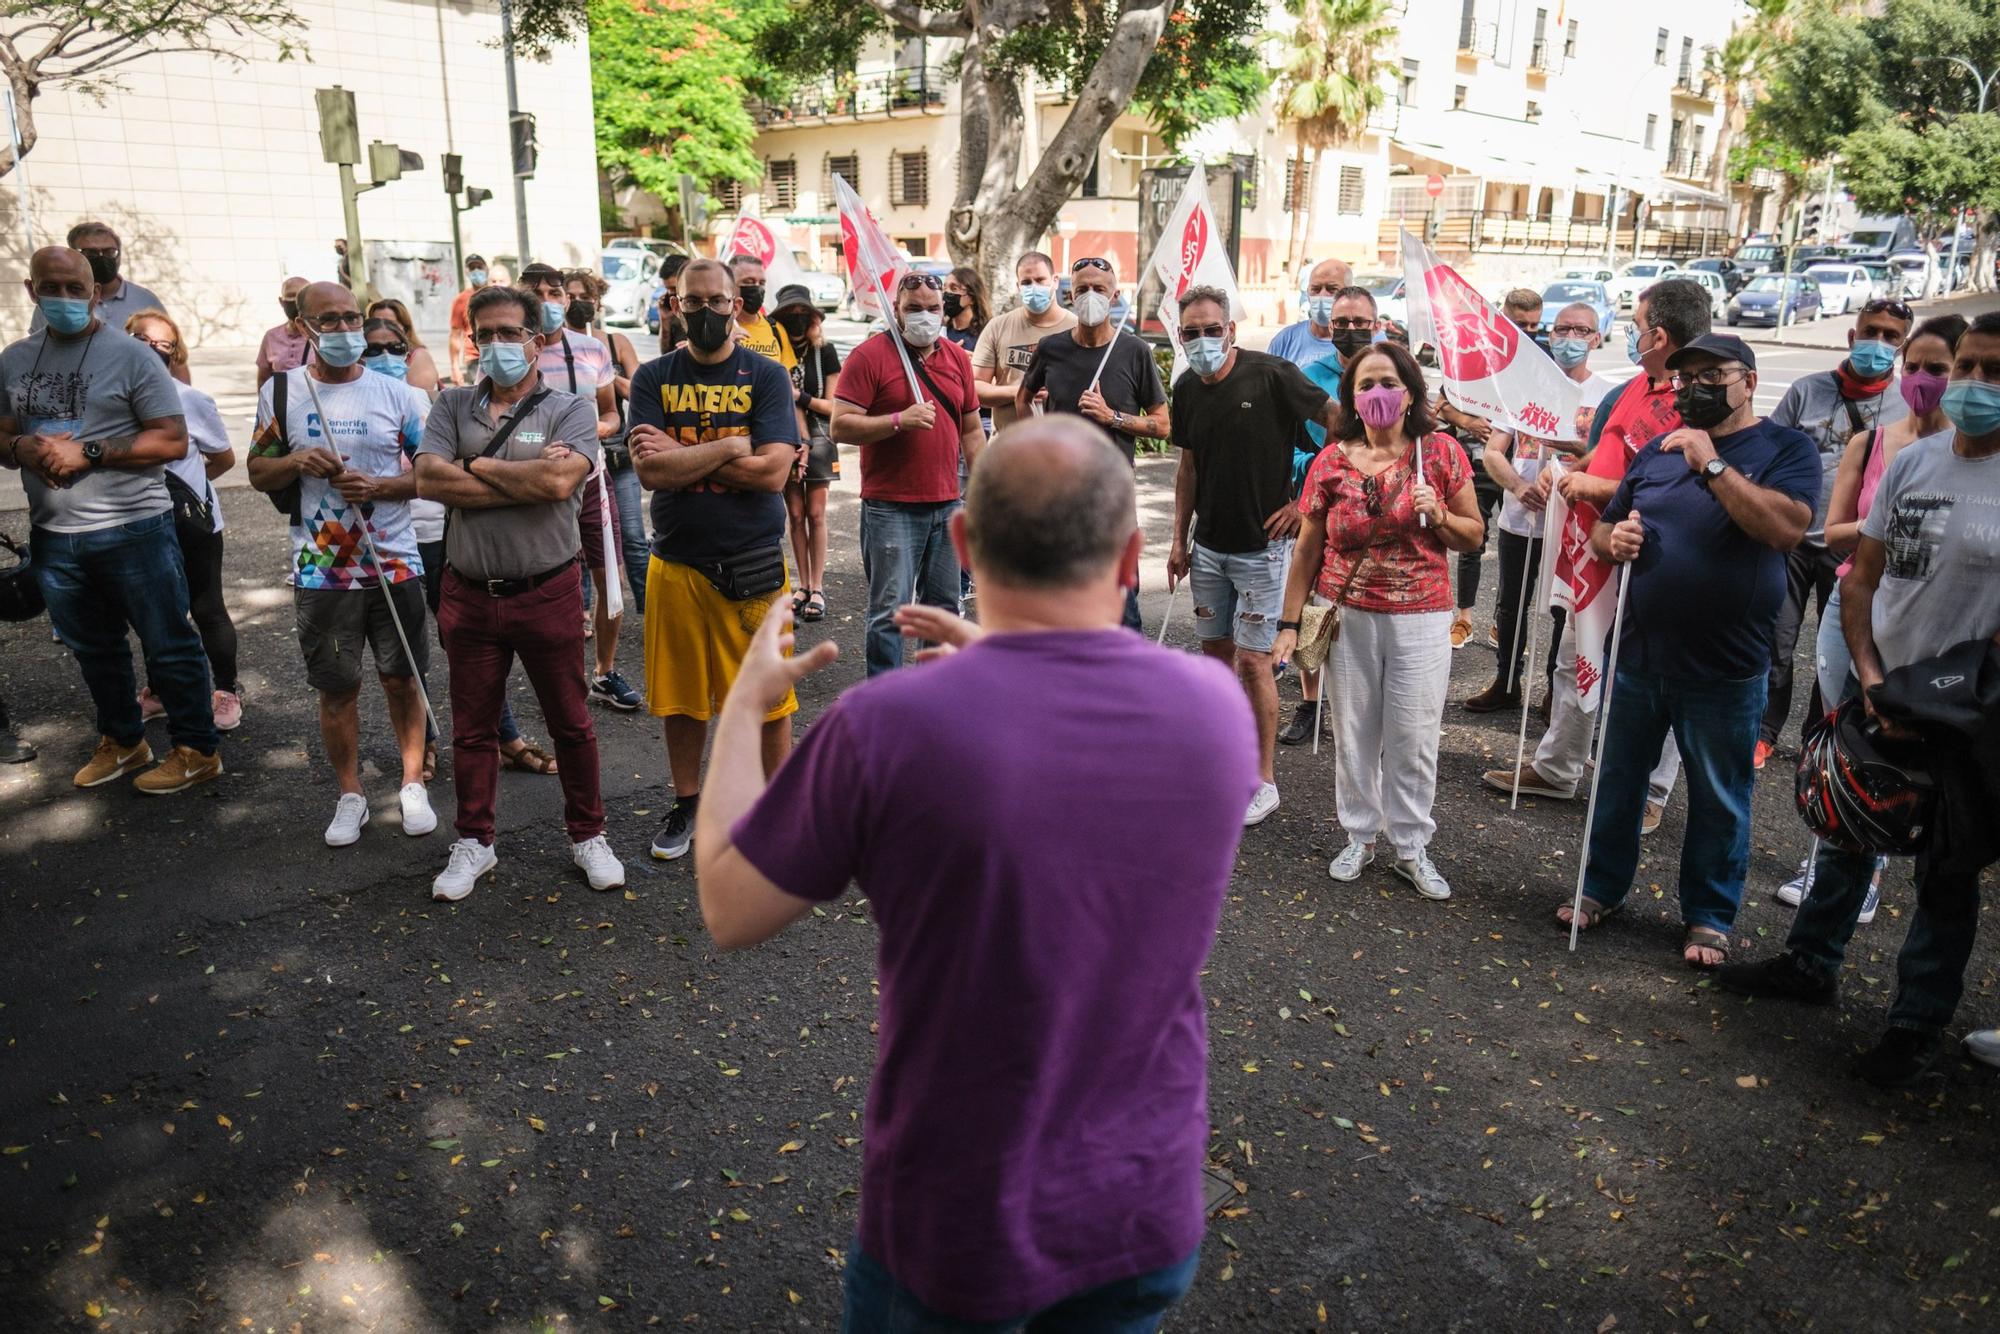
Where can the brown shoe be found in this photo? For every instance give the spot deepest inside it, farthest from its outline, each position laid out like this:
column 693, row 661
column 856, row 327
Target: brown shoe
column 1493, row 699
column 1532, row 783
column 1651, row 820
column 112, row 760
column 182, row 769
column 1461, row 632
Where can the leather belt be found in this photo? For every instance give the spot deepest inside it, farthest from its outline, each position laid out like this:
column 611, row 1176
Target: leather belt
column 507, row 588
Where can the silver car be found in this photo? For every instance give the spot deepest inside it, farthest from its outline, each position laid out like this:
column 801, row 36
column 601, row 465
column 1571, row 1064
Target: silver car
column 631, row 272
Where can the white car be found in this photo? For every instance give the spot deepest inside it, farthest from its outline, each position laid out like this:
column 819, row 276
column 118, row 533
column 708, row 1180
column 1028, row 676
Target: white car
column 1920, row 273
column 1587, row 276
column 1712, row 283
column 1389, row 299
column 1842, row 287
column 1637, row 276
column 630, row 271
column 828, row 289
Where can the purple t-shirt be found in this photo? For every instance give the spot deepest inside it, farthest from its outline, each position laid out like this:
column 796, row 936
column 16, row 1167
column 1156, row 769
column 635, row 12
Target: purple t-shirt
column 1046, row 871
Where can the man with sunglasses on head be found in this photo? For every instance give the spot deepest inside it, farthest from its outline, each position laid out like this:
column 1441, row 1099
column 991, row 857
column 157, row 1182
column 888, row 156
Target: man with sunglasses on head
column 508, row 458
column 1318, row 336
column 346, row 438
column 910, row 452
column 1127, row 398
column 1832, row 407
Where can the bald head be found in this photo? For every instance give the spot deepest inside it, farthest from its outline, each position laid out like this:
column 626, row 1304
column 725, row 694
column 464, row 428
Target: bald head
column 1051, row 505
column 316, row 299
column 60, row 265
column 1328, row 277
column 291, row 289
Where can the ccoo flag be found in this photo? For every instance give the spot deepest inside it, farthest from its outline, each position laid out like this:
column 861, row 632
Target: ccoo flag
column 1581, row 585
column 753, row 236
column 1490, row 368
column 1190, row 254
column 873, row 264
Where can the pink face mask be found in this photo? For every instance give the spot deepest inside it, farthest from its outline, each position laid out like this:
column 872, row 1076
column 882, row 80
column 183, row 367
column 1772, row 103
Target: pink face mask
column 1381, row 406
column 1923, row 391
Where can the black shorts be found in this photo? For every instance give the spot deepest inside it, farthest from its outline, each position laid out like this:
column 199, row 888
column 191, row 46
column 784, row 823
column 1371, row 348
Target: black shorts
column 334, row 623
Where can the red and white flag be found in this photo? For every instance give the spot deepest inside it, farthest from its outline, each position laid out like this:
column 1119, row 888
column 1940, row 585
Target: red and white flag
column 1582, row 585
column 873, row 264
column 754, row 236
column 1490, row 368
column 1190, row 254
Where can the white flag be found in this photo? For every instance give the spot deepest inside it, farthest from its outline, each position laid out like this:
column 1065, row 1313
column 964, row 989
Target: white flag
column 1489, row 367
column 1190, row 254
column 754, row 236
column 873, row 264
column 1581, row 585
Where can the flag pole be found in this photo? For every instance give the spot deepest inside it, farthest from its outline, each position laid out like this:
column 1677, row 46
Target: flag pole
column 896, row 337
column 1597, row 764
column 1105, row 360
column 1543, row 573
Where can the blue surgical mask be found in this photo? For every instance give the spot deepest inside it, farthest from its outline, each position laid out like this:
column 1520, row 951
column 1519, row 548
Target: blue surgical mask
column 477, row 277
column 1973, row 407
column 343, row 347
column 1871, row 358
column 65, row 314
column 1037, row 297
column 552, row 315
column 506, row 363
column 1379, row 336
column 1632, row 343
column 1206, row 355
column 1570, row 352
column 1319, row 310
column 396, row 368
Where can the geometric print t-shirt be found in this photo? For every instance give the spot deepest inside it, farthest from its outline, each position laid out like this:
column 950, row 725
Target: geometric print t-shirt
column 375, row 425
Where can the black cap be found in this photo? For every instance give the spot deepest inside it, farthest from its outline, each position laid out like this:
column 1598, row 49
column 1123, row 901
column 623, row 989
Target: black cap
column 792, row 294
column 1723, row 347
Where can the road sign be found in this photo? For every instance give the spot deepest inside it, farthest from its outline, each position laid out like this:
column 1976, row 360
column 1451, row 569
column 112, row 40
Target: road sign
column 1433, row 186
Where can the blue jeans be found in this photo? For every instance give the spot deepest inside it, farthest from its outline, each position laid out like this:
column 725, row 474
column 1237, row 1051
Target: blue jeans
column 1239, row 596
column 876, row 1304
column 632, row 532
column 1715, row 723
column 101, row 583
column 905, row 549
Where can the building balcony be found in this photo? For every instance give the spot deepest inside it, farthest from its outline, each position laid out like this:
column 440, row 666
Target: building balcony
column 1543, row 58
column 1386, row 118
column 1487, row 231
column 1694, row 86
column 1478, row 38
column 1690, row 166
column 918, row 91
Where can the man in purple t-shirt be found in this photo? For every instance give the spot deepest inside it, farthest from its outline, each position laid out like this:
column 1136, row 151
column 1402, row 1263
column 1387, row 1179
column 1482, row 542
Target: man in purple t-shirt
column 1038, row 1116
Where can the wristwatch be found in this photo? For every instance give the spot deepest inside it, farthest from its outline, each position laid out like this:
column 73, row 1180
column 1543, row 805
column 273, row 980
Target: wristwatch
column 93, row 452
column 1711, row 470
column 1117, row 421
column 1283, row 626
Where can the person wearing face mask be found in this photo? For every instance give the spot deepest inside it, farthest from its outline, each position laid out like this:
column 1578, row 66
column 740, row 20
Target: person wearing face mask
column 118, row 297
column 1236, row 415
column 714, row 437
column 459, row 348
column 910, row 453
column 753, row 328
column 508, row 457
column 1314, row 338
column 1705, row 515
column 1007, row 344
column 283, row 345
column 1375, row 544
column 1832, row 407
column 1513, row 462
column 91, row 418
column 1921, row 586
column 587, row 290
column 805, row 493
column 420, row 369
column 347, row 437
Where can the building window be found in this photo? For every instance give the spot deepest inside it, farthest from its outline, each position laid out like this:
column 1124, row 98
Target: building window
column 1700, row 131
column 1406, row 91
column 1538, row 50
column 1353, row 191
column 1675, row 130
column 781, row 184
column 1686, row 79
column 1253, row 171
column 1652, row 126
column 1468, row 24
column 1458, row 97
column 1660, row 49
column 1569, row 41
column 1298, row 180
column 728, row 194
column 1091, row 187
column 847, row 166
column 1534, row 113
column 909, row 179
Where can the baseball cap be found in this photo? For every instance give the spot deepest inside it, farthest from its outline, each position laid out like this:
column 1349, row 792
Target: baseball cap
column 1723, row 347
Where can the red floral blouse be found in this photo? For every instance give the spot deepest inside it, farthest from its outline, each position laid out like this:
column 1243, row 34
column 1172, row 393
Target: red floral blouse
column 1408, row 567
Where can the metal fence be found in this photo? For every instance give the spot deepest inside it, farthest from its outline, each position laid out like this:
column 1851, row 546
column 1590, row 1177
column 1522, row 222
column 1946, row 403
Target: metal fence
column 1490, row 231
column 917, row 90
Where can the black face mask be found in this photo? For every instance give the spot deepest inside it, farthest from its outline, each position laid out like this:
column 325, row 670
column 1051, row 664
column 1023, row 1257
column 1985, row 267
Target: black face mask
column 798, row 328
column 708, row 330
column 1348, row 342
column 753, row 298
column 1703, row 406
column 581, row 313
column 954, row 305
column 104, row 268
column 291, row 308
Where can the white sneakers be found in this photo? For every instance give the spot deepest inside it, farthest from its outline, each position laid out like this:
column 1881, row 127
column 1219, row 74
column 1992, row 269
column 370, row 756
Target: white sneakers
column 1261, row 805
column 470, row 859
column 348, row 817
column 1983, row 1046
column 1418, row 870
column 418, row 817
column 1352, row 861
column 600, row 867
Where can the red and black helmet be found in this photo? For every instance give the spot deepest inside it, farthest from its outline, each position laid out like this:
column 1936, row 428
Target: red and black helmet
column 1861, row 791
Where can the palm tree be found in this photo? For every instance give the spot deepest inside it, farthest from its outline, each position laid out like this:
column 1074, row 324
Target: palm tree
column 1329, row 79
column 1738, row 65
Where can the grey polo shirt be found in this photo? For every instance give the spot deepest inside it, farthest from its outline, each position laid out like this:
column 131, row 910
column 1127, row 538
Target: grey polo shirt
column 511, row 541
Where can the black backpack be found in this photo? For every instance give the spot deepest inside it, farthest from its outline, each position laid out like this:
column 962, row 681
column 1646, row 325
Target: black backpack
column 286, row 497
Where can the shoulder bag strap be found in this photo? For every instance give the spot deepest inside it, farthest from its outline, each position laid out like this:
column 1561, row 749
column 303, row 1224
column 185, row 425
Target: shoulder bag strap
column 944, row 404
column 569, row 360
column 1854, row 422
column 500, row 437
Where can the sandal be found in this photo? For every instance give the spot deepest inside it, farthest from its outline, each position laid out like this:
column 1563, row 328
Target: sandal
column 815, row 607
column 430, row 760
column 1705, row 938
column 799, row 598
column 529, row 759
column 1593, row 915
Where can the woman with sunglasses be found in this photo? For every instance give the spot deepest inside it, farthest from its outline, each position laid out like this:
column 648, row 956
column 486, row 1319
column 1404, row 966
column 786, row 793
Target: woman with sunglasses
column 419, row 367
column 1384, row 504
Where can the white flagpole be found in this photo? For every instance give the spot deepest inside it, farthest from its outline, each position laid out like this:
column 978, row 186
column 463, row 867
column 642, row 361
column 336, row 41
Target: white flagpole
column 1543, row 574
column 1105, row 360
column 1168, row 618
column 1597, row 763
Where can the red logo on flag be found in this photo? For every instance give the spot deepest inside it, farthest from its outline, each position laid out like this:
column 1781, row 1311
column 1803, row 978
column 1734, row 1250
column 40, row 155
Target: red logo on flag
column 1194, row 240
column 754, row 238
column 1475, row 341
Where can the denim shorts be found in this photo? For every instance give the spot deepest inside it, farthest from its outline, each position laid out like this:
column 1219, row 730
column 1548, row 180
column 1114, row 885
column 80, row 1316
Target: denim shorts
column 1240, row 596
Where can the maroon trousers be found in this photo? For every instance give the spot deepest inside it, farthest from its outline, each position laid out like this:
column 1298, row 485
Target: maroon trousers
column 482, row 636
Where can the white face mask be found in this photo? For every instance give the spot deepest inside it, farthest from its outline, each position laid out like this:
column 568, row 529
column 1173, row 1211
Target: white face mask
column 1092, row 308
column 922, row 327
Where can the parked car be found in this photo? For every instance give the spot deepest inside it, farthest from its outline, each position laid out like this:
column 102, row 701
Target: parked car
column 633, row 272
column 1732, row 274
column 1565, row 292
column 1637, row 276
column 1883, row 235
column 1805, row 256
column 828, row 289
column 1587, row 275
column 1759, row 302
column 653, row 307
column 652, row 243
column 1885, row 283
column 1842, row 287
column 1920, row 273
column 1754, row 257
column 1389, row 293
column 1711, row 282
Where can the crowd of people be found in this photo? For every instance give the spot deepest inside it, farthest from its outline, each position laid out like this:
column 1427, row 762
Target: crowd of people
column 504, row 503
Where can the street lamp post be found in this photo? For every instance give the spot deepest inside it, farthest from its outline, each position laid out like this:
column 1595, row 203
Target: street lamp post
column 1985, row 82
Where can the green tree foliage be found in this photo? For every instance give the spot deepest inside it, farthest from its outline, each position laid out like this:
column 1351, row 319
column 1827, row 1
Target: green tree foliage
column 1329, row 78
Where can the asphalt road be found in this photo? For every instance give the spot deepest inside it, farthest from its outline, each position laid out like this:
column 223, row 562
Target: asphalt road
column 247, row 1081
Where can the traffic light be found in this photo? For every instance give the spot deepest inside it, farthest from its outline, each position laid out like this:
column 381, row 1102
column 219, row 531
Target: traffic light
column 387, row 162
column 1810, row 227
column 521, row 132
column 454, row 173
column 474, row 196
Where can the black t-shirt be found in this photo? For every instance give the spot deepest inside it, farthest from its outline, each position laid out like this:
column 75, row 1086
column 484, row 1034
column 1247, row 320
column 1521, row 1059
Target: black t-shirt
column 749, row 394
column 1130, row 383
column 1240, row 430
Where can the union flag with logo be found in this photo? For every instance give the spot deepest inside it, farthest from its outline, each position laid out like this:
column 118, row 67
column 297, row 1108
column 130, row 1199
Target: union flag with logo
column 754, row 236
column 1580, row 584
column 1190, row 254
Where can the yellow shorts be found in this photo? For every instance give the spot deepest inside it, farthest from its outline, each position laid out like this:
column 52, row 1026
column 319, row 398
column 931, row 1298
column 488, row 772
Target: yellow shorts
column 695, row 642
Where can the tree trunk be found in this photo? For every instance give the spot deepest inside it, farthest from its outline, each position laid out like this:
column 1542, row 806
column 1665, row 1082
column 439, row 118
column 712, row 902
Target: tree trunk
column 24, row 119
column 1718, row 171
column 1294, row 244
column 1312, row 208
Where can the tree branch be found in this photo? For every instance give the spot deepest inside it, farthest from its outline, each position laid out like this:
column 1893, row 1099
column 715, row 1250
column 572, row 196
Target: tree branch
column 1105, row 93
column 929, row 22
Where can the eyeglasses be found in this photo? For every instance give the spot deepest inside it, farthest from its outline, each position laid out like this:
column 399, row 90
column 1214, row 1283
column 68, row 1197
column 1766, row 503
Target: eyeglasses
column 691, row 305
column 385, row 350
column 335, row 320
column 1711, row 377
column 1189, row 332
column 1350, row 324
column 911, row 281
column 164, row 346
column 98, row 252
column 506, row 333
column 1573, row 330
column 1879, row 306
column 1090, row 262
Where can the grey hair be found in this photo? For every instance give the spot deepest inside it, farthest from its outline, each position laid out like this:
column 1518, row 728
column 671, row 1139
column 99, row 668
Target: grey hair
column 1051, row 504
column 1202, row 292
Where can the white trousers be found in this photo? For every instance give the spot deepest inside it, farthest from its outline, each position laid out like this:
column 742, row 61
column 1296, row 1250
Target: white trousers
column 1389, row 675
column 1566, row 745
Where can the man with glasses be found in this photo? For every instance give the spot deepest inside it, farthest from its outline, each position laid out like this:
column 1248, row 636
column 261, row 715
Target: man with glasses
column 345, row 438
column 1007, row 343
column 714, row 436
column 1832, row 407
column 1097, row 371
column 910, row 452
column 1705, row 514
column 90, row 418
column 1236, row 415
column 1317, row 336
column 508, row 458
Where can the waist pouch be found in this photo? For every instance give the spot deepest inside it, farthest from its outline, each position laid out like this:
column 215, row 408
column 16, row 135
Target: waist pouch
column 617, row 456
column 751, row 574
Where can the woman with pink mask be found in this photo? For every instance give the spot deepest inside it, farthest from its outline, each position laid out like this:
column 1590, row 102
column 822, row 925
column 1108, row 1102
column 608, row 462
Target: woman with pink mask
column 1384, row 504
